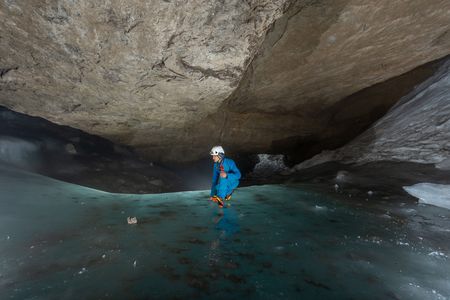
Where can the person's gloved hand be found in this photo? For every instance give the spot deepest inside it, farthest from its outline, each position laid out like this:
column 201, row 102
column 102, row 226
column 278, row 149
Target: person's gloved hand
column 223, row 174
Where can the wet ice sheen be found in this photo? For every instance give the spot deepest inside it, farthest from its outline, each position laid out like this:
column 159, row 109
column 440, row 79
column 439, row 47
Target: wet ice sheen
column 63, row 241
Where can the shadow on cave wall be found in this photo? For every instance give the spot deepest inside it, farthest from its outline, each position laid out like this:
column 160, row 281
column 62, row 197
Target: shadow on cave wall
column 69, row 154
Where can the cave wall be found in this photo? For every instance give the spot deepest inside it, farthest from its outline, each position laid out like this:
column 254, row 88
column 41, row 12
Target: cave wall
column 328, row 70
column 416, row 129
column 135, row 72
column 171, row 78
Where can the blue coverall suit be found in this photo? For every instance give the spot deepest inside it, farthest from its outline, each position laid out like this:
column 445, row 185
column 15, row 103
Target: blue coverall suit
column 223, row 187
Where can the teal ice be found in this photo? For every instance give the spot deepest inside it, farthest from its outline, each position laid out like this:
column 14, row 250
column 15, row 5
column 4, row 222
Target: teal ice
column 63, row 241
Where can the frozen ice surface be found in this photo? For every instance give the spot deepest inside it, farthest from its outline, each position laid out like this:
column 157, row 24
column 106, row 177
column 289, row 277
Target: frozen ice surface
column 431, row 193
column 63, row 241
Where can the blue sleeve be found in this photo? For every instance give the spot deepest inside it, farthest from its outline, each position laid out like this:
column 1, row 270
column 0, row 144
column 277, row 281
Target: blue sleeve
column 214, row 180
column 233, row 173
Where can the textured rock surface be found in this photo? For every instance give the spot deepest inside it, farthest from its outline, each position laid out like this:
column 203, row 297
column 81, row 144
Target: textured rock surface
column 133, row 71
column 258, row 76
column 417, row 129
column 317, row 60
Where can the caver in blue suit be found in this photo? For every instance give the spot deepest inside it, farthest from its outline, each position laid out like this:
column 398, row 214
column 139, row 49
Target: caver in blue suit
column 223, row 187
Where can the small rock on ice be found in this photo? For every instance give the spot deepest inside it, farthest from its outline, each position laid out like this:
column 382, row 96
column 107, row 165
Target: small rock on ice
column 132, row 220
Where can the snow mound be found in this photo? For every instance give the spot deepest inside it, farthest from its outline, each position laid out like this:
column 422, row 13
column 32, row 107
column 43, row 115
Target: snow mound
column 431, row 193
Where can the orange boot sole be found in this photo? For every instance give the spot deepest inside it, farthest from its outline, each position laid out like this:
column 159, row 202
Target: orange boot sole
column 218, row 200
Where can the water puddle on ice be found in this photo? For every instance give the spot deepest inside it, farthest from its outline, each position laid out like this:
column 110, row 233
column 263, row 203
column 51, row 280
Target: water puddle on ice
column 62, row 241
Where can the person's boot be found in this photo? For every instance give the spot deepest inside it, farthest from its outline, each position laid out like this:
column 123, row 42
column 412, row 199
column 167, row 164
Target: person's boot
column 220, row 202
column 227, row 198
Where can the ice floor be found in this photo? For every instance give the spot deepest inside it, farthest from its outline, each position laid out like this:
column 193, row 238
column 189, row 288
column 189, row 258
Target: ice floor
column 63, row 241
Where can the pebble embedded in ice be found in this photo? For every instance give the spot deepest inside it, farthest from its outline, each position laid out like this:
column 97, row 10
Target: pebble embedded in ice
column 132, row 220
column 409, row 210
column 318, row 207
column 83, row 270
column 8, row 237
column 104, row 256
column 402, row 243
column 134, row 263
column 370, row 193
column 376, row 240
column 336, row 187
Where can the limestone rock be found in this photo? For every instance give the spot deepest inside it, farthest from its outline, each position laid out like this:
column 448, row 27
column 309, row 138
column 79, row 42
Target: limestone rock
column 135, row 72
column 70, row 148
column 170, row 77
column 328, row 69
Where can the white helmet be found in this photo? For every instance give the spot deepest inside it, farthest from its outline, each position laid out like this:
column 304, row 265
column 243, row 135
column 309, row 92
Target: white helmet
column 216, row 150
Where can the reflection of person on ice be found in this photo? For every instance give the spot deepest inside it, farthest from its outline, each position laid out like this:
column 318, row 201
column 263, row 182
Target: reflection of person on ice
column 226, row 176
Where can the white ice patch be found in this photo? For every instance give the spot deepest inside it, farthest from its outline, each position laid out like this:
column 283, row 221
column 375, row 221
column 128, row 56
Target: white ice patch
column 431, row 193
column 437, row 254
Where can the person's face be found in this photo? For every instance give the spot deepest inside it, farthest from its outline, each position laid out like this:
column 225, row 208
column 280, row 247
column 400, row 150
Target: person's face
column 215, row 158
